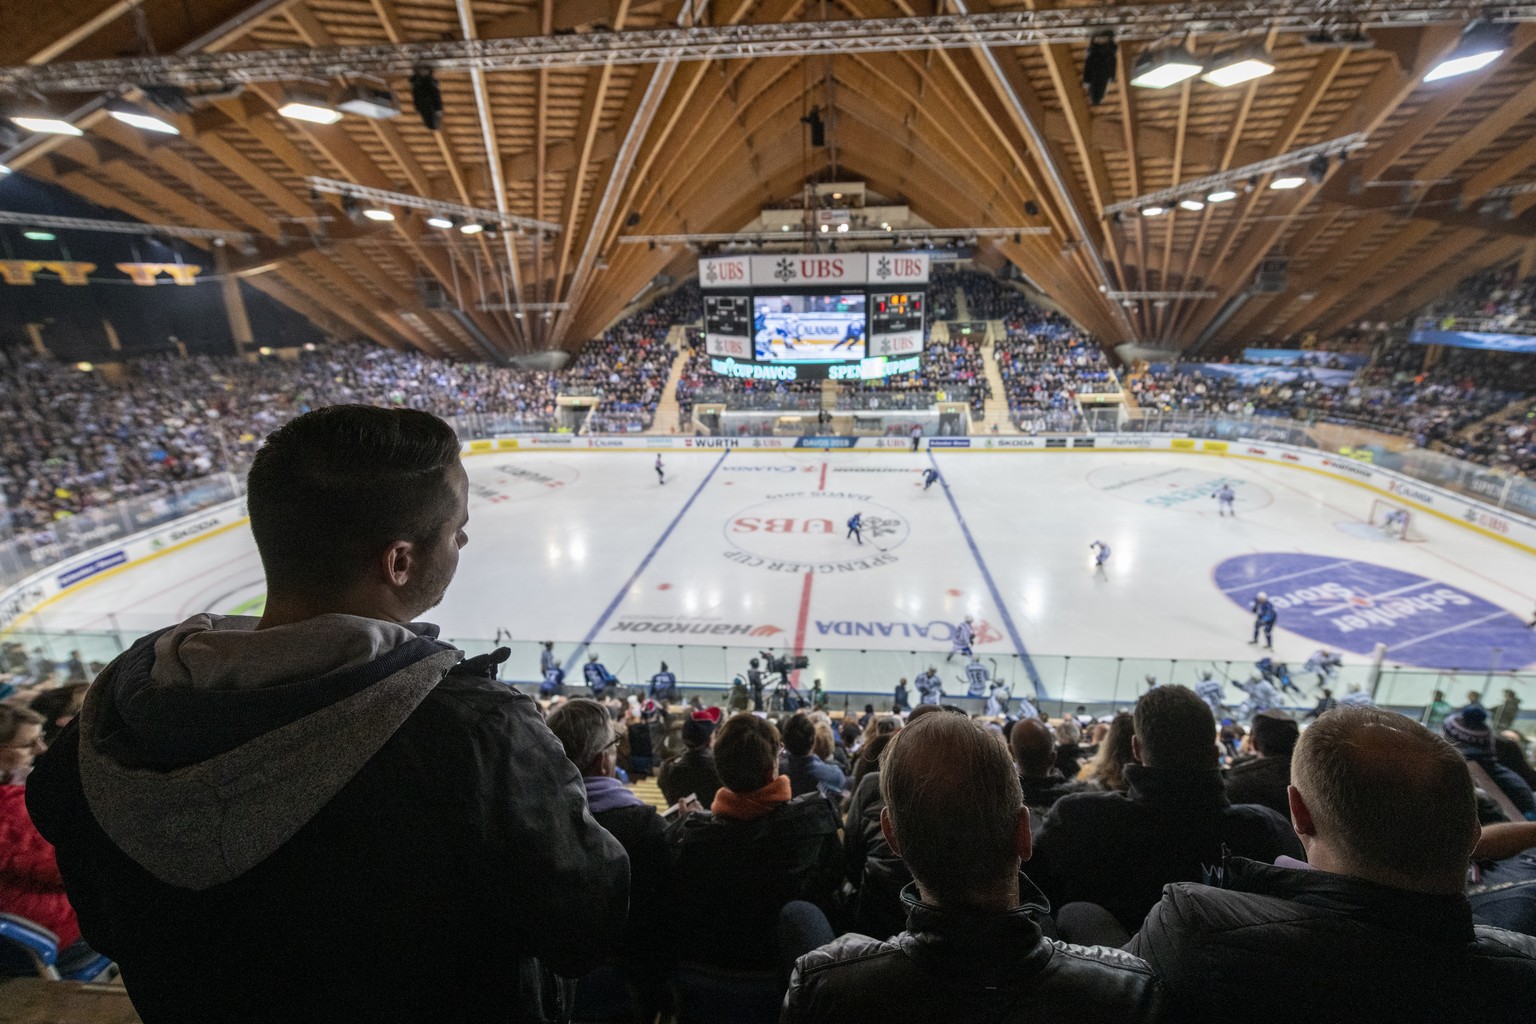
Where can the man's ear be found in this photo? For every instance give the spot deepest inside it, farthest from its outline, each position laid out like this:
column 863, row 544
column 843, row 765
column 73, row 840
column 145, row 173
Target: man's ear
column 399, row 562
column 1301, row 815
column 1025, row 839
column 889, row 831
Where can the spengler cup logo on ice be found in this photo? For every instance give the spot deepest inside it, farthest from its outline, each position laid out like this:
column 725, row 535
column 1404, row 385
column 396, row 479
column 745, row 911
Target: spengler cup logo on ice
column 1353, row 605
column 806, row 531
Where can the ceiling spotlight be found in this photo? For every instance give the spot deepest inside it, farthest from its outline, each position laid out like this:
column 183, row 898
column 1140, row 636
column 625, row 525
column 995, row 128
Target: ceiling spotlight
column 1223, row 196
column 824, row 229
column 1339, row 39
column 439, row 221
column 1317, row 170
column 1165, row 66
column 1153, row 211
column 472, row 227
column 39, row 236
column 309, row 106
column 1099, row 65
column 842, row 229
column 1234, row 67
column 129, row 114
column 1284, row 184
column 350, row 207
column 4, row 170
column 784, row 227
column 1482, row 43
column 46, row 124
column 428, row 98
column 378, row 213
column 837, row 195
column 1191, row 204
column 885, row 226
column 370, row 101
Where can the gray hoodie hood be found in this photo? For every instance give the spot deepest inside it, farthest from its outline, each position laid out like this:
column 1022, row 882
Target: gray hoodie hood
column 207, row 746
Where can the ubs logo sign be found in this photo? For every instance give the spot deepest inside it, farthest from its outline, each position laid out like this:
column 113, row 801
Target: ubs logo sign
column 807, row 532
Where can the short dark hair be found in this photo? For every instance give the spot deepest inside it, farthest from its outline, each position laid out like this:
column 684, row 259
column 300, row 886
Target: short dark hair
column 1034, row 747
column 954, row 799
column 334, row 487
column 1274, row 733
column 799, row 734
column 1175, row 729
column 746, row 752
column 1394, row 795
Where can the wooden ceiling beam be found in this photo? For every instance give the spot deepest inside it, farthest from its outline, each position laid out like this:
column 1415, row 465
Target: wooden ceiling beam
column 1348, row 309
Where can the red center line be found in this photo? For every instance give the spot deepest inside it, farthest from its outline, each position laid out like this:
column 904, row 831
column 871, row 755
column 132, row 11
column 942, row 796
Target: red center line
column 805, row 596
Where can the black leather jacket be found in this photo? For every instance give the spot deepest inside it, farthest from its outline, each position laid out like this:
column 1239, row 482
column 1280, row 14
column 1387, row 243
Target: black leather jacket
column 956, row 966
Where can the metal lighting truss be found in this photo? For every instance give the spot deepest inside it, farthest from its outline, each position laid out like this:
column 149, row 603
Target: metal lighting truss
column 1507, row 191
column 119, row 227
column 525, row 307
column 1156, row 296
column 383, row 197
column 728, row 237
column 1204, row 186
column 737, row 42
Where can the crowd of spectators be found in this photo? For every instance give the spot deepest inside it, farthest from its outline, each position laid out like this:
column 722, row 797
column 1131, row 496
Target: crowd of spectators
column 1498, row 298
column 628, row 366
column 952, row 370
column 1045, row 369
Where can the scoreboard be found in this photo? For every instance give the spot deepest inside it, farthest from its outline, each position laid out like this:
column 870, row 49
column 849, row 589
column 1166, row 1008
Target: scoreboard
column 896, row 323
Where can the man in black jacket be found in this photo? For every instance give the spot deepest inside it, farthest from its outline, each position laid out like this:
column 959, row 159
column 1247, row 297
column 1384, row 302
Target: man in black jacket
column 692, row 773
column 972, row 949
column 1118, row 850
column 1378, row 928
column 328, row 814
column 1034, row 753
column 1265, row 778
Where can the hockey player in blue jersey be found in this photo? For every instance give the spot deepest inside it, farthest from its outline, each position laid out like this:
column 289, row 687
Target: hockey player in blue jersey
column 1213, row 693
column 976, row 679
column 960, row 641
column 598, row 677
column 851, row 337
column 1264, row 616
column 854, row 523
column 548, row 662
column 1278, row 673
column 930, row 689
column 929, row 476
column 1100, row 556
column 663, row 688
column 1224, row 499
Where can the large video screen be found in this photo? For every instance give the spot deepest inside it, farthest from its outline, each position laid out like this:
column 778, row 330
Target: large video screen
column 809, row 328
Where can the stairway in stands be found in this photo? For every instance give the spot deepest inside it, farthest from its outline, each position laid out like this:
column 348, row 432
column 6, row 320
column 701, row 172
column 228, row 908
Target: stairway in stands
column 647, row 789
column 667, row 409
column 995, row 412
column 962, row 305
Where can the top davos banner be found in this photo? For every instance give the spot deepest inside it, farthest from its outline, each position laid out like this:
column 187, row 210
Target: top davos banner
column 1474, row 339
column 1254, row 375
column 813, row 270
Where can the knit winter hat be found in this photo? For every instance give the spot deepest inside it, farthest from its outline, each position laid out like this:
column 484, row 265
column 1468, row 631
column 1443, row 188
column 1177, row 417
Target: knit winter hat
column 699, row 726
column 1469, row 728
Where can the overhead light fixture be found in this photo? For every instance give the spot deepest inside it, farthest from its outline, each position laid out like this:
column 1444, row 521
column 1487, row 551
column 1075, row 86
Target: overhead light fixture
column 439, row 221
column 473, row 227
column 837, row 195
column 1225, row 195
column 129, row 114
column 1153, row 211
column 39, row 236
column 1164, row 66
column 885, row 226
column 842, row 229
column 1482, row 43
column 309, row 106
column 370, row 101
column 1191, row 204
column 85, row 367
column 4, row 169
column 44, row 124
column 784, row 227
column 1237, row 66
column 1284, row 184
column 1099, row 65
column 824, row 229
column 378, row 213
column 428, row 98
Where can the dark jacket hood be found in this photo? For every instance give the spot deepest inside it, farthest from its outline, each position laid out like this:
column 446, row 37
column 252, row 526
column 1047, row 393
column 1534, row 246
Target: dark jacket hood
column 206, row 746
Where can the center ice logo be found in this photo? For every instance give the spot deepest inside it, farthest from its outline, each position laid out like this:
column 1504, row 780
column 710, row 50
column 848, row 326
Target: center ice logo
column 1353, row 605
column 807, row 532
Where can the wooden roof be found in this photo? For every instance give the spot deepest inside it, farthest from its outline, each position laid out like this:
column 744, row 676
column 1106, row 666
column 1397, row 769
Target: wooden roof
column 944, row 130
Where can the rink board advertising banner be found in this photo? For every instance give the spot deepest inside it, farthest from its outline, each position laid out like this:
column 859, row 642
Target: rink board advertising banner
column 1475, row 339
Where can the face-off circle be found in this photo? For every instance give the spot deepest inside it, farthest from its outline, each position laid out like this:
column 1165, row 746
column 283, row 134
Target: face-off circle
column 1351, row 605
column 1179, row 488
column 808, row 531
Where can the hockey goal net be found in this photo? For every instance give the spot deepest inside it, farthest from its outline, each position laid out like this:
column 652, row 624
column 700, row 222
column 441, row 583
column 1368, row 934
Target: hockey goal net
column 1395, row 520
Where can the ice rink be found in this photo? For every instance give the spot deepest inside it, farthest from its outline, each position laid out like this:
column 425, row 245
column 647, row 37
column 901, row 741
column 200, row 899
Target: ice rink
column 740, row 551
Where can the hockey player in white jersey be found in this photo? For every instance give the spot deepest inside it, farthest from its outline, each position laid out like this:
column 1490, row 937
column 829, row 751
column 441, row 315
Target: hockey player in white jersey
column 1213, row 693
column 1325, row 665
column 1356, row 698
column 960, row 641
column 998, row 700
column 1261, row 697
column 976, row 679
column 930, row 688
column 1224, row 501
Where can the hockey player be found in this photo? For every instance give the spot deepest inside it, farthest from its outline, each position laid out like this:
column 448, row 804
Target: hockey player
column 661, row 473
column 997, row 700
column 976, row 679
column 1213, row 693
column 1325, row 665
column 855, row 522
column 960, row 641
column 1151, row 681
column 1224, row 499
column 663, row 689
column 1261, row 697
column 1356, row 698
column 1395, row 523
column 1278, row 673
column 1101, row 555
column 1027, row 707
column 548, row 663
column 851, row 337
column 930, row 688
column 598, row 677
column 1264, row 616
column 929, row 476
column 1325, row 703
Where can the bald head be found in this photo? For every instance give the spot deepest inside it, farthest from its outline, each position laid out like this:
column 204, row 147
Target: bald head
column 1034, row 747
column 953, row 807
column 1383, row 798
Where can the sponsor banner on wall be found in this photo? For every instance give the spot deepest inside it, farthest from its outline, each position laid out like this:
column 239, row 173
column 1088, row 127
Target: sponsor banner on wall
column 96, row 565
column 949, row 442
column 1010, row 442
column 1253, row 376
column 827, row 442
column 1300, row 357
column 1475, row 339
column 812, row 270
column 736, row 346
